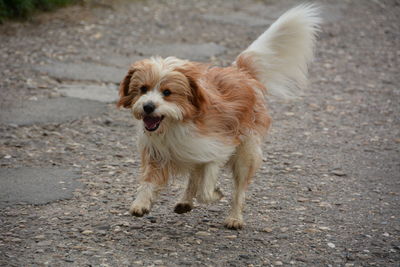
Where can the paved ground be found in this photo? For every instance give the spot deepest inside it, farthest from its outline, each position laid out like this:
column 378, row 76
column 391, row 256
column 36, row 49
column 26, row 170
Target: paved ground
column 327, row 194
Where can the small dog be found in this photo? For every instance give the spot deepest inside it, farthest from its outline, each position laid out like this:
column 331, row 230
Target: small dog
column 194, row 119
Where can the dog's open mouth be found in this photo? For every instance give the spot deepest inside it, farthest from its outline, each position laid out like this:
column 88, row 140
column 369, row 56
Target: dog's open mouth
column 152, row 123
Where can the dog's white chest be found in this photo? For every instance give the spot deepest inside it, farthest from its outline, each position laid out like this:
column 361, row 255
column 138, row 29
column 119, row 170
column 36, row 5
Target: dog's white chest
column 183, row 145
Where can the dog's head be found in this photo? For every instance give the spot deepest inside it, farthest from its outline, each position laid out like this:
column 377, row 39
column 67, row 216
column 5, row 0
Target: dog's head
column 161, row 91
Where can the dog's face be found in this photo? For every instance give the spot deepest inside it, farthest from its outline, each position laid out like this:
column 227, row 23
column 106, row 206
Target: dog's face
column 161, row 91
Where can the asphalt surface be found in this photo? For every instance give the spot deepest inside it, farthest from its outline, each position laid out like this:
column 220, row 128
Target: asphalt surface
column 326, row 195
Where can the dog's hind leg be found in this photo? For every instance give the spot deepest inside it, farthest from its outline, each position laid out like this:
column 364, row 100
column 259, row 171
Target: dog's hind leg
column 208, row 175
column 201, row 184
column 244, row 162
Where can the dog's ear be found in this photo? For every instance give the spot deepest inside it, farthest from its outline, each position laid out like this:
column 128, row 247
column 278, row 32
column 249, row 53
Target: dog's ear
column 199, row 97
column 125, row 96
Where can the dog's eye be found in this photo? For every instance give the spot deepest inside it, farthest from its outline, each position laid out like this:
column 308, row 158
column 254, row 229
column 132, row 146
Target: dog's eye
column 166, row 92
column 143, row 89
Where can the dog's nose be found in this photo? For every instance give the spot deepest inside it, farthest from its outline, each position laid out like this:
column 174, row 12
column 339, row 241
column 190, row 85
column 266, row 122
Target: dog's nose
column 149, row 107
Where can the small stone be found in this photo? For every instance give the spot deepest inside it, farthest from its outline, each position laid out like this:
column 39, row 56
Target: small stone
column 297, row 154
column 202, row 233
column 312, row 230
column 7, row 156
column 324, row 228
column 330, row 108
column 279, row 263
column 324, row 205
column 102, row 232
column 289, row 113
column 124, row 223
column 267, row 230
column 16, row 239
column 45, row 243
column 231, row 236
column 302, row 199
column 386, row 234
column 284, row 229
column 87, row 232
column 331, row 245
column 158, row 262
column 338, row 173
column 39, row 237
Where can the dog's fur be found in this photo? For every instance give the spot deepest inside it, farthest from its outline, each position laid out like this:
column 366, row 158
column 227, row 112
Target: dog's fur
column 193, row 118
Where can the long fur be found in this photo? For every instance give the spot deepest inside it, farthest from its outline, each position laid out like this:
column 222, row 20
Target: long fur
column 206, row 117
column 279, row 56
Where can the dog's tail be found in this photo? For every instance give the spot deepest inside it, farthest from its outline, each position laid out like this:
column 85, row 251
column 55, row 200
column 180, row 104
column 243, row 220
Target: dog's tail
column 279, row 57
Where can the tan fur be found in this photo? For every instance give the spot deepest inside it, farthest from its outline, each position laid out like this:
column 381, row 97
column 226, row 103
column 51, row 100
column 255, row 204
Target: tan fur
column 193, row 119
column 224, row 104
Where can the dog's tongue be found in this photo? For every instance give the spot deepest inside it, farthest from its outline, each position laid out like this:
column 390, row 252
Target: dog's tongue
column 151, row 122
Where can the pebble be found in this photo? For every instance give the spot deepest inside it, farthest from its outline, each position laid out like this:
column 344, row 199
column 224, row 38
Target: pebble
column 324, row 228
column 44, row 243
column 279, row 263
column 87, row 232
column 302, row 199
column 231, row 236
column 39, row 237
column 158, row 262
column 338, row 173
column 203, row 233
column 284, row 229
column 267, row 230
column 331, row 245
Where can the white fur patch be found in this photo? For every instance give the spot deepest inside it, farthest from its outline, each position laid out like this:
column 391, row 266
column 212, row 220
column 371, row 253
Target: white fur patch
column 184, row 147
column 281, row 54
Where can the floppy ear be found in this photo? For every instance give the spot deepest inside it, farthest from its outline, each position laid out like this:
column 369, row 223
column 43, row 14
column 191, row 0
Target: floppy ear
column 126, row 97
column 199, row 97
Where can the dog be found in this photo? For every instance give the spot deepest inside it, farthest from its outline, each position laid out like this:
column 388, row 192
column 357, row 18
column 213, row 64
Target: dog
column 193, row 118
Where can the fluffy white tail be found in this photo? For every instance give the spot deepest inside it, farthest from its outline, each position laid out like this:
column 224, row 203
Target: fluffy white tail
column 279, row 57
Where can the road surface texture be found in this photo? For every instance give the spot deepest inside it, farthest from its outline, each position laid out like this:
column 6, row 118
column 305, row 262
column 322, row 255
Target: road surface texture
column 326, row 195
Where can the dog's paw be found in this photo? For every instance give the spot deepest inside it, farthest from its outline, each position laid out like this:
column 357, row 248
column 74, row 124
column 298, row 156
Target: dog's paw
column 233, row 223
column 183, row 208
column 138, row 211
column 218, row 194
column 210, row 197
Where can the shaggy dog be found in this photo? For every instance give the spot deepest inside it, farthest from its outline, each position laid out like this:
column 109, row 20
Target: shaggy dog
column 193, row 119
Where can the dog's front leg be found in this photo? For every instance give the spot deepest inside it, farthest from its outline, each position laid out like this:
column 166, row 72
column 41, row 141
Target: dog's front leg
column 154, row 179
column 146, row 195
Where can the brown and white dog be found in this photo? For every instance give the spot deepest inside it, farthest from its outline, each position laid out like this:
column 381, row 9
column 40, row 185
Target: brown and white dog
column 193, row 119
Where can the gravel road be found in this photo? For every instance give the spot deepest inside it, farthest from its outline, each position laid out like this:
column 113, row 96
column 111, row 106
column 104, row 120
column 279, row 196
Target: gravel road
column 327, row 194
